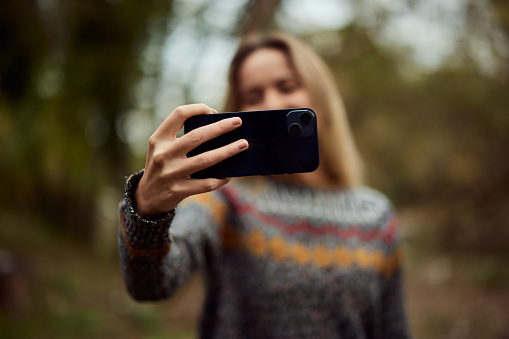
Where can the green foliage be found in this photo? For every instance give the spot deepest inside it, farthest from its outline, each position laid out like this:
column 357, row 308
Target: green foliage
column 66, row 78
column 434, row 138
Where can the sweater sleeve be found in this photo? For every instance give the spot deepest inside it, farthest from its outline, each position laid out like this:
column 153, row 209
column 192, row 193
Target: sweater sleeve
column 395, row 323
column 157, row 256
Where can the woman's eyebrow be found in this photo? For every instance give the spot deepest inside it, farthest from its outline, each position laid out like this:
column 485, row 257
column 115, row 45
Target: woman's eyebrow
column 289, row 79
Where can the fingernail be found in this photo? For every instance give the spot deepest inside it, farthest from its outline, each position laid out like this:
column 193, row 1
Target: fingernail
column 213, row 110
column 242, row 144
column 236, row 121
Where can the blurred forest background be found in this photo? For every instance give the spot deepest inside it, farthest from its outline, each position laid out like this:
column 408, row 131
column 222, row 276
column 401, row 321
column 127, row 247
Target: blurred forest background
column 83, row 84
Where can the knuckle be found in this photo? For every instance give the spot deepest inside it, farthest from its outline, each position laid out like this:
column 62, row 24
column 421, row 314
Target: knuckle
column 224, row 125
column 228, row 152
column 202, row 106
column 196, row 136
column 180, row 111
column 152, row 142
column 231, row 151
column 204, row 161
column 176, row 190
column 209, row 185
column 170, row 173
column 158, row 158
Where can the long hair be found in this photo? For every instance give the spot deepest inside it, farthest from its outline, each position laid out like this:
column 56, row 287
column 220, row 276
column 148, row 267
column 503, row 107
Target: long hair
column 338, row 153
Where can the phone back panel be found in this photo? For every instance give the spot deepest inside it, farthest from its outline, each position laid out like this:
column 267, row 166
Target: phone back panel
column 272, row 150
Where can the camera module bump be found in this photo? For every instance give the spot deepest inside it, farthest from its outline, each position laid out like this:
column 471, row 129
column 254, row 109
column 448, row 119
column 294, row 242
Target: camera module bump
column 294, row 130
column 301, row 123
column 305, row 118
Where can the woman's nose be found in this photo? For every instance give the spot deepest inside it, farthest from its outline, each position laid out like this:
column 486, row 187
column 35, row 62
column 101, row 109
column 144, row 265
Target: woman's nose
column 274, row 100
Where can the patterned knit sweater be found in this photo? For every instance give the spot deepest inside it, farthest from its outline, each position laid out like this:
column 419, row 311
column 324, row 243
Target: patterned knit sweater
column 279, row 261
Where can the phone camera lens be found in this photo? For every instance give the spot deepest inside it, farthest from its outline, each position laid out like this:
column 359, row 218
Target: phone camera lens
column 305, row 118
column 294, row 130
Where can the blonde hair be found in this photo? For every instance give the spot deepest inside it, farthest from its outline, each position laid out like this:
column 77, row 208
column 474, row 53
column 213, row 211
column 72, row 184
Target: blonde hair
column 338, row 154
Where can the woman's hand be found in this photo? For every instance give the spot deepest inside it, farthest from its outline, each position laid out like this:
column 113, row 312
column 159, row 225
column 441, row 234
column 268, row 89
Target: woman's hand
column 166, row 180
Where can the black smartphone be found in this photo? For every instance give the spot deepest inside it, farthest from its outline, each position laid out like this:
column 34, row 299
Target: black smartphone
column 280, row 142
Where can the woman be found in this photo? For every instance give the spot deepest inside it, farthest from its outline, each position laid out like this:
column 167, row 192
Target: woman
column 304, row 255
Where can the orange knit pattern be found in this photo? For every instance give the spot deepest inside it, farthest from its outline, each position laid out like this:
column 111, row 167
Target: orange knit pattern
column 279, row 248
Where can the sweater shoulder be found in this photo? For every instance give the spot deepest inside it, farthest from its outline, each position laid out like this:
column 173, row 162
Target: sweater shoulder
column 367, row 196
column 364, row 206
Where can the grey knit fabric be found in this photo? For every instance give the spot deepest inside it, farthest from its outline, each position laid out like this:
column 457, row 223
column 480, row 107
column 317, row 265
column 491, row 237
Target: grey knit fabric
column 279, row 261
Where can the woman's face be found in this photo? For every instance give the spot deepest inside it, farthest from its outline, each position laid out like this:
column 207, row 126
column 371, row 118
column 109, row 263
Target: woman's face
column 267, row 81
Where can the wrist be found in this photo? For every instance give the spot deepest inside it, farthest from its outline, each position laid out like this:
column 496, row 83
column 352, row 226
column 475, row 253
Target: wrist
column 144, row 207
column 138, row 204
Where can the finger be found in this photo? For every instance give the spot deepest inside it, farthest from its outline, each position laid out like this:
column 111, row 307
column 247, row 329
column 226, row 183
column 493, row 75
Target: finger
column 198, row 136
column 210, row 158
column 199, row 186
column 174, row 122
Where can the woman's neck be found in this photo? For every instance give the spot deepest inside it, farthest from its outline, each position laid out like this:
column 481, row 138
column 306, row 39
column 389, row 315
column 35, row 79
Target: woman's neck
column 316, row 179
